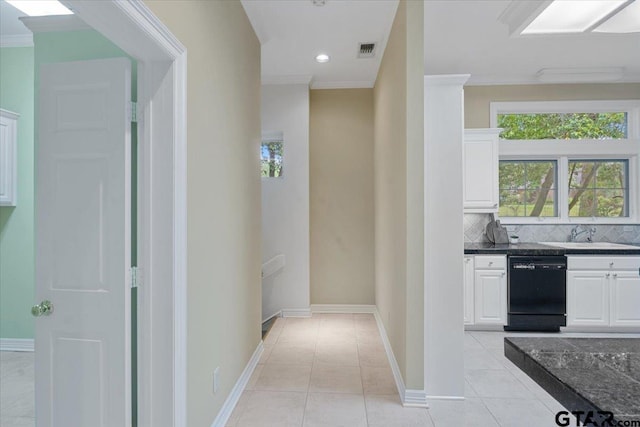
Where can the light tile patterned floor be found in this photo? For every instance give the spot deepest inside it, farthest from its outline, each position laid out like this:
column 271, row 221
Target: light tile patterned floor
column 332, row 370
column 16, row 389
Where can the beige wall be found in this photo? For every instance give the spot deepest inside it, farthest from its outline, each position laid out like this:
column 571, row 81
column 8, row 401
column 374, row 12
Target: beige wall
column 399, row 200
column 224, row 257
column 341, row 196
column 477, row 98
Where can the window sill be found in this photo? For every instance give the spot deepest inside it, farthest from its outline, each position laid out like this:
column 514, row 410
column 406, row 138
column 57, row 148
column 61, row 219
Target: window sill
column 562, row 221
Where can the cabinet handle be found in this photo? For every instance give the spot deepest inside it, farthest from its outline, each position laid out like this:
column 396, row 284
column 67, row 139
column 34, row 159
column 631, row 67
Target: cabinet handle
column 608, row 274
column 611, row 264
column 490, row 262
column 504, row 274
column 495, row 205
column 615, row 274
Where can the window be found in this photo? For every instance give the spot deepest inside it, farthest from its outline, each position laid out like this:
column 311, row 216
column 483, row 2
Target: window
column 568, row 161
column 528, row 188
column 271, row 158
column 598, row 188
column 578, row 126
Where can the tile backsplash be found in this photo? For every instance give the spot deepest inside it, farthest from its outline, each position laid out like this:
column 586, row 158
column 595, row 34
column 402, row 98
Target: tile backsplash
column 474, row 226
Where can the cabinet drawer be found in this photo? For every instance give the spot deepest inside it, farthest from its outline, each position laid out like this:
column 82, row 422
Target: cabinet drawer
column 491, row 262
column 587, row 262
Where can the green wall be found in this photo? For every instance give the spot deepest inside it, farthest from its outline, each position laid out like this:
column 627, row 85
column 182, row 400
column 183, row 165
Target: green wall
column 16, row 223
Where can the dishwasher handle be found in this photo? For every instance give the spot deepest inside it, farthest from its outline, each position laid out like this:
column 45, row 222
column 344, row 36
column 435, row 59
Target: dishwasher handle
column 538, row 266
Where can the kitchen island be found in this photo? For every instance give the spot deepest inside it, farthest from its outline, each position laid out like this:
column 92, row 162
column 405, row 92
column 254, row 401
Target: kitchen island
column 584, row 374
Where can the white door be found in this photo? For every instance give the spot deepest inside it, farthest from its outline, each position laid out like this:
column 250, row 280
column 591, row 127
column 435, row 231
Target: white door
column 588, row 298
column 490, row 297
column 625, row 298
column 480, row 173
column 83, row 244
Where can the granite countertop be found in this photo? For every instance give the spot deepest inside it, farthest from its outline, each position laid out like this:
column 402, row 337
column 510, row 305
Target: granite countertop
column 486, row 248
column 583, row 374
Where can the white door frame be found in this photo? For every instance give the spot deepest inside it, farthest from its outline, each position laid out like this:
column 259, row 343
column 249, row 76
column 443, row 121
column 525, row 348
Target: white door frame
column 162, row 202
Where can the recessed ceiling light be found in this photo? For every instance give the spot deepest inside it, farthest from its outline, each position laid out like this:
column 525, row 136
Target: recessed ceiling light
column 323, row 57
column 40, row 7
column 572, row 16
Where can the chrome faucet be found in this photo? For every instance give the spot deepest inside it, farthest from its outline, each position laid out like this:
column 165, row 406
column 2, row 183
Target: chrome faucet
column 581, row 229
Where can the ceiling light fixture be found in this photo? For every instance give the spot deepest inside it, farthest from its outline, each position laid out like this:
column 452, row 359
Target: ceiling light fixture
column 319, row 2
column 625, row 21
column 573, row 16
column 580, row 75
column 540, row 17
column 322, row 58
column 40, row 7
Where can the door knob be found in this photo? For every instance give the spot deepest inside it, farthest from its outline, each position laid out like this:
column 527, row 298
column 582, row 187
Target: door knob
column 44, row 308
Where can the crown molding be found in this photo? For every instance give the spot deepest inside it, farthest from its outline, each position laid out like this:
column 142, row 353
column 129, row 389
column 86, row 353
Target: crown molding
column 287, row 80
column 446, row 79
column 357, row 84
column 17, row 40
column 48, row 24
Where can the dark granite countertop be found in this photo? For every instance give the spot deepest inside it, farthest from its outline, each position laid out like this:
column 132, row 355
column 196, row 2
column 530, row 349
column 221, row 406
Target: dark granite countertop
column 584, row 374
column 485, row 248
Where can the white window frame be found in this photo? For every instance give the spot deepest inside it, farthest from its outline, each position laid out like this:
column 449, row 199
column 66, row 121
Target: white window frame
column 565, row 150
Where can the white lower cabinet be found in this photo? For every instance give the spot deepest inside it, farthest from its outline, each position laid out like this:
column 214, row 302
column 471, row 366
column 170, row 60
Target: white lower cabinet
column 603, row 296
column 467, row 290
column 485, row 290
column 490, row 298
column 625, row 298
column 587, row 298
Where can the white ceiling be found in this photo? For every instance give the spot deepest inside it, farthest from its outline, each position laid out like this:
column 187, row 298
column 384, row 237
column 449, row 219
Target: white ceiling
column 9, row 23
column 466, row 37
column 293, row 32
column 461, row 36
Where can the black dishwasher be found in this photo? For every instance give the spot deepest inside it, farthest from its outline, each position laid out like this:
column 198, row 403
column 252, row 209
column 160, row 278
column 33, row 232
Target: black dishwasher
column 536, row 293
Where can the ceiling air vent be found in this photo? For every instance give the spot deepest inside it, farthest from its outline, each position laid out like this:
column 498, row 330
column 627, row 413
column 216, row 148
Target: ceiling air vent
column 367, row 50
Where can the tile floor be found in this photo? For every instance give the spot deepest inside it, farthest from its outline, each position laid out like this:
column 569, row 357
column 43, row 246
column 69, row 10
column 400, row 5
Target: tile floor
column 332, row 370
column 16, row 389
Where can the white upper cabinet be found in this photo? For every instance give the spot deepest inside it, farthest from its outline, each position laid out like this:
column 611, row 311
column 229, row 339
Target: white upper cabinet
column 480, row 170
column 8, row 158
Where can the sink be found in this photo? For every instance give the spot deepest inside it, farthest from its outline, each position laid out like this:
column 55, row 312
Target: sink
column 589, row 245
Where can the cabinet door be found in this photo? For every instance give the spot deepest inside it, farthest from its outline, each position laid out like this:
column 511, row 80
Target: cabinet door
column 468, row 290
column 625, row 298
column 490, row 297
column 480, row 171
column 588, row 298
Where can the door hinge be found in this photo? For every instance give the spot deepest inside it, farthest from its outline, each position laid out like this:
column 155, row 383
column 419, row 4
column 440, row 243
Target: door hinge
column 132, row 112
column 134, row 277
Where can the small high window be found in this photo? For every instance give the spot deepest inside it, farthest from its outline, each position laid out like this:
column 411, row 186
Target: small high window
column 271, row 158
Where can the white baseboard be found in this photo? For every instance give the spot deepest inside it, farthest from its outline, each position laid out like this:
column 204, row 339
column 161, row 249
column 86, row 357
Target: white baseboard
column 445, row 397
column 16, row 344
column 276, row 314
column 343, row 308
column 238, row 388
column 296, row 312
column 409, row 397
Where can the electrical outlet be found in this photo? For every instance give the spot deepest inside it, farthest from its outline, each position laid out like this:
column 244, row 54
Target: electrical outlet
column 216, row 379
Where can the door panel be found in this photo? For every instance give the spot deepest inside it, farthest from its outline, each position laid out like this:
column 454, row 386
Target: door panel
column 490, row 297
column 625, row 298
column 83, row 244
column 587, row 298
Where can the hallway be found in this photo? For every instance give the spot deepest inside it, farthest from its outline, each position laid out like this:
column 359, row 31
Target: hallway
column 332, row 370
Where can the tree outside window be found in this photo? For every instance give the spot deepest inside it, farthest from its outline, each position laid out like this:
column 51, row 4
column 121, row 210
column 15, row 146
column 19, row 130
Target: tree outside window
column 271, row 158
